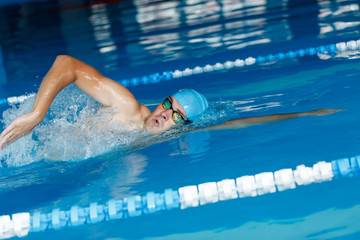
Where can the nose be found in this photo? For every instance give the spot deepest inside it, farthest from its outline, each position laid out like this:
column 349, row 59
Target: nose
column 166, row 114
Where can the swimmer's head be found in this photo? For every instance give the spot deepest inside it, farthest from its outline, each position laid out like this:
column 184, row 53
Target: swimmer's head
column 193, row 103
column 183, row 106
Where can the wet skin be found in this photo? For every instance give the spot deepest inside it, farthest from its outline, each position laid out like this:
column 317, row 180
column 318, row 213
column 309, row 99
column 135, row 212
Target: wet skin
column 161, row 119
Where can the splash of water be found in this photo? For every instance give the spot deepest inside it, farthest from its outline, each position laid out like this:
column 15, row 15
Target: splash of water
column 77, row 128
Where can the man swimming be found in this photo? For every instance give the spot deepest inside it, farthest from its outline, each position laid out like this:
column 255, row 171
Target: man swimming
column 182, row 107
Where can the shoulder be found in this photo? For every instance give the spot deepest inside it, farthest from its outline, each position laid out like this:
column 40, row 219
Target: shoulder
column 144, row 112
column 132, row 111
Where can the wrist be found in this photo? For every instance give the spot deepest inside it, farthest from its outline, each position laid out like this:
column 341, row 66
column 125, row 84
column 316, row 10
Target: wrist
column 37, row 116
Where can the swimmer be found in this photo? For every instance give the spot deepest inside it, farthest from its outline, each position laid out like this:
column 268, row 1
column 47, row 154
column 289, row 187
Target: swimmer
column 182, row 107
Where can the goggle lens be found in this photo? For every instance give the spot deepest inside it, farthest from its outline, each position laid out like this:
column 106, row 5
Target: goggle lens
column 176, row 116
column 166, row 104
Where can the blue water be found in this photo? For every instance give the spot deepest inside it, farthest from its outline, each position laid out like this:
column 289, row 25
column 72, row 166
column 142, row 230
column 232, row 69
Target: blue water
column 125, row 39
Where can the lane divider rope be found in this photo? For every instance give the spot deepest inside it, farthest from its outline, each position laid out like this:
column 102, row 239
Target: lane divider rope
column 228, row 65
column 20, row 224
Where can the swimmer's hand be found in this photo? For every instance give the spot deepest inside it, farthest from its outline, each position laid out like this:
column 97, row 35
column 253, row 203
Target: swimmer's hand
column 322, row 112
column 20, row 127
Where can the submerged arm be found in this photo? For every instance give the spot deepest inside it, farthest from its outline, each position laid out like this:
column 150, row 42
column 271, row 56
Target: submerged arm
column 64, row 71
column 250, row 121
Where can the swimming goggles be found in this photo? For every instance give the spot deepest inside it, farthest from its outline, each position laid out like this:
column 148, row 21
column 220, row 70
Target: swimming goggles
column 177, row 117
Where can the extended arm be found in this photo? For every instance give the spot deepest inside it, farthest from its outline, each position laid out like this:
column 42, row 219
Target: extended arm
column 250, row 121
column 67, row 70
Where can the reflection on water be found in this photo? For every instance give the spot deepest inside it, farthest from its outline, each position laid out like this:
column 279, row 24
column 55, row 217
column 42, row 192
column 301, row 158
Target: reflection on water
column 95, row 179
column 341, row 24
column 313, row 226
column 194, row 144
column 134, row 33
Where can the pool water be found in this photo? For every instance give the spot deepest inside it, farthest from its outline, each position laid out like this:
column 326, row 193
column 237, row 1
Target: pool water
column 126, row 39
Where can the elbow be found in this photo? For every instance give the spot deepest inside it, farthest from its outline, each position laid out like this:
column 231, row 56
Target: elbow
column 64, row 67
column 64, row 59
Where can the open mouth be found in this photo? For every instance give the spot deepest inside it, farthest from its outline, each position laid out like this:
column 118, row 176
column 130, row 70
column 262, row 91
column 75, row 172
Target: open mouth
column 156, row 122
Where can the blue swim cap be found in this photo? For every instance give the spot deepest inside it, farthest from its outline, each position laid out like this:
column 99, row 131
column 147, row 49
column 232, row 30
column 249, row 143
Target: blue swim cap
column 193, row 103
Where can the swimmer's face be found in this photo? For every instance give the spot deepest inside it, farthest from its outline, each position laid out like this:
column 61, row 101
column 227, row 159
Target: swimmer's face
column 161, row 119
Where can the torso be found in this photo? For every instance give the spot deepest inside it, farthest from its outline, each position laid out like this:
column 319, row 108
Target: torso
column 123, row 120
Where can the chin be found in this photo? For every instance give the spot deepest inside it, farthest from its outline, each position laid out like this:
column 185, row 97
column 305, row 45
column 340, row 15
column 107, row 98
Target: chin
column 151, row 128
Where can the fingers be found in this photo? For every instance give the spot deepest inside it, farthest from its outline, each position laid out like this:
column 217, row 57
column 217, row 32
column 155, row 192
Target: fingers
column 3, row 140
column 8, row 136
column 20, row 127
column 4, row 136
column 339, row 110
column 2, row 143
column 325, row 111
column 331, row 110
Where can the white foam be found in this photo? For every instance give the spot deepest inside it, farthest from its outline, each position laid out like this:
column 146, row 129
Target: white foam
column 74, row 129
